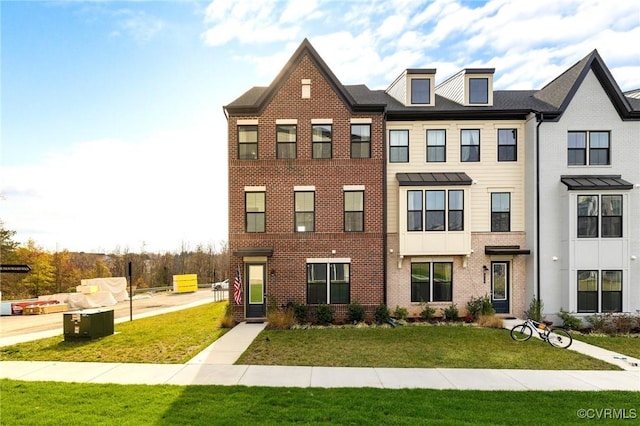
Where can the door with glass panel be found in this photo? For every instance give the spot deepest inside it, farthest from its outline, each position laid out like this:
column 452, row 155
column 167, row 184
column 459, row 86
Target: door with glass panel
column 500, row 287
column 255, row 300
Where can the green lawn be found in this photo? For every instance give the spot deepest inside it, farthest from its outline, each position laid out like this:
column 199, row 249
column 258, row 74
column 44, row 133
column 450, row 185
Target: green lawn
column 172, row 338
column 412, row 346
column 627, row 345
column 33, row 403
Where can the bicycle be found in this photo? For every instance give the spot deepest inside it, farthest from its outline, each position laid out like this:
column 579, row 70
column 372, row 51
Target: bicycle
column 557, row 337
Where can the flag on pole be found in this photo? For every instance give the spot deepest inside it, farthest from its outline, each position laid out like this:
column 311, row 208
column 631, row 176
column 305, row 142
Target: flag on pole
column 237, row 288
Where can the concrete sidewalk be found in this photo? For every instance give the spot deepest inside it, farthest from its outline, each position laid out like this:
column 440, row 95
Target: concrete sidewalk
column 214, row 366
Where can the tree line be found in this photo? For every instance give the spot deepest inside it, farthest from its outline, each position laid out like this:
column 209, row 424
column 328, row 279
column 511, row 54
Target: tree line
column 62, row 271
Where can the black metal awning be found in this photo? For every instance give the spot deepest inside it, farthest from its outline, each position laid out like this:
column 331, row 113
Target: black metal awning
column 595, row 182
column 505, row 250
column 433, row 179
column 253, row 251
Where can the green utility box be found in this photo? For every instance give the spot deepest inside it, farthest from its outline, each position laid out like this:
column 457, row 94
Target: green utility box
column 88, row 324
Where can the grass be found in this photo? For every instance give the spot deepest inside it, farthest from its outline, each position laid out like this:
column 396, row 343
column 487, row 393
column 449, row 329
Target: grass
column 411, row 346
column 171, row 338
column 627, row 345
column 29, row 403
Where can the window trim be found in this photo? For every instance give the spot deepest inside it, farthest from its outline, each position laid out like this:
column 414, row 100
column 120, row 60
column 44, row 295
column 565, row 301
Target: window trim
column 587, row 149
column 296, row 226
column 246, row 126
column 314, row 143
column 345, row 211
column 467, row 145
column 485, row 91
column 434, row 211
column 432, row 282
column 360, row 142
column 263, row 213
column 513, row 146
column 599, row 291
column 413, row 92
column 421, row 210
column 438, row 147
column 495, row 213
column 400, row 149
column 329, row 281
column 287, row 143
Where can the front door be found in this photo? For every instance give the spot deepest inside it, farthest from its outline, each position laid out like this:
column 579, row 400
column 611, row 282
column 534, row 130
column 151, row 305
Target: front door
column 255, row 300
column 500, row 287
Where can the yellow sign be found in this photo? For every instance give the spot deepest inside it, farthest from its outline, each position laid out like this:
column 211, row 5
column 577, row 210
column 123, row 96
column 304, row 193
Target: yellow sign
column 185, row 283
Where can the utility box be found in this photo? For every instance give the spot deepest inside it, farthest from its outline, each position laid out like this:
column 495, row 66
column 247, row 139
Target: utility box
column 89, row 324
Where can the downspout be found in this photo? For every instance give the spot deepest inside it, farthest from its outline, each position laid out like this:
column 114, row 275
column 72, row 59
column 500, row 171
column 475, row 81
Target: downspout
column 540, row 119
column 384, row 208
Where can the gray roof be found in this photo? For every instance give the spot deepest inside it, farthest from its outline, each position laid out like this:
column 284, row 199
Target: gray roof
column 433, row 179
column 595, row 182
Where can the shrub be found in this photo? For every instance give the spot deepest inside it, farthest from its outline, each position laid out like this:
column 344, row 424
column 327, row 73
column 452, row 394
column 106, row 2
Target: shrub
column 427, row 312
column 355, row 312
column 624, row 323
column 571, row 322
column 324, row 314
column 451, row 312
column 480, row 306
column 301, row 312
column 598, row 322
column 381, row 314
column 490, row 321
column 227, row 320
column 401, row 313
column 536, row 307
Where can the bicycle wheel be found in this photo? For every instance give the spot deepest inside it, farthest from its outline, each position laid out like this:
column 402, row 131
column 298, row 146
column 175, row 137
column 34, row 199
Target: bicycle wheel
column 560, row 338
column 521, row 332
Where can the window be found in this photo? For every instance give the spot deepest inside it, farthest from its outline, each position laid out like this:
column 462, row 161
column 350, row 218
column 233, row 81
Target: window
column 602, row 296
column 328, row 282
column 500, row 212
column 248, row 142
column 434, row 210
column 255, row 211
column 360, row 141
column 507, row 145
column 456, row 211
column 304, row 211
column 425, row 273
column 321, row 140
column 286, row 141
column 598, row 154
column 612, row 216
column 414, row 210
column 436, row 146
column 354, row 211
column 606, row 209
column 420, row 91
column 478, row 90
column 399, row 146
column 470, row 145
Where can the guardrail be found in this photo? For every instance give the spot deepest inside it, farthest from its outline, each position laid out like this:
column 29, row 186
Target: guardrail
column 218, row 295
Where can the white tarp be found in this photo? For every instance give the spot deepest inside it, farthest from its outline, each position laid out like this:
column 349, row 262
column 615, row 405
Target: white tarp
column 117, row 286
column 110, row 291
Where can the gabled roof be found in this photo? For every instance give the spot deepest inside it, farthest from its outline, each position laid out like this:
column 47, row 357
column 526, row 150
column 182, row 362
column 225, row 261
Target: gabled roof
column 559, row 92
column 257, row 98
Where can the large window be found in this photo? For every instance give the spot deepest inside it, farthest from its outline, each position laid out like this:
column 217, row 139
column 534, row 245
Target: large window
column 598, row 152
column 478, row 90
column 507, row 145
column 360, row 141
column 414, row 210
column 254, row 211
column 304, row 211
column 399, row 146
column 443, row 210
column 500, row 212
column 431, row 282
column 248, row 142
column 435, row 210
column 599, row 291
column 328, row 283
column 420, row 91
column 286, row 141
column 354, row 211
column 436, row 146
column 470, row 145
column 456, row 211
column 600, row 216
column 321, row 140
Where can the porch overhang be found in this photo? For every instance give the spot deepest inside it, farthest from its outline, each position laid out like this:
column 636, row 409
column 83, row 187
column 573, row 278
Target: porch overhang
column 505, row 250
column 595, row 182
column 433, row 179
column 253, row 251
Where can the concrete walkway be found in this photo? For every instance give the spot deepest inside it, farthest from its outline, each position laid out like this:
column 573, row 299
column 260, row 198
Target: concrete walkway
column 214, row 366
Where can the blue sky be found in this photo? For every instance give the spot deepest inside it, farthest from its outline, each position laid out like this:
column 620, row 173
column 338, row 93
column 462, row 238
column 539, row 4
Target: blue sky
column 113, row 134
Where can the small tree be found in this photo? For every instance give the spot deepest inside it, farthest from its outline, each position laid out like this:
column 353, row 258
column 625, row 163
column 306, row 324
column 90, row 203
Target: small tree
column 536, row 308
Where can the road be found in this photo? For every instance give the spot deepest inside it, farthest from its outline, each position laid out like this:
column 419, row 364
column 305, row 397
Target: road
column 13, row 328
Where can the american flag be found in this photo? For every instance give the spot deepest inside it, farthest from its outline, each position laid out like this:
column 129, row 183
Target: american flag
column 237, row 288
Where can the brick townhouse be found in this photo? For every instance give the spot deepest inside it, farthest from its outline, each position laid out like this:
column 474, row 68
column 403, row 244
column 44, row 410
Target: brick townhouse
column 306, row 167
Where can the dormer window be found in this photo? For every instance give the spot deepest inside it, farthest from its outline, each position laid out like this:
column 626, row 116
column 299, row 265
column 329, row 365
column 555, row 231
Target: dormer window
column 479, row 91
column 420, row 90
column 478, row 83
column 415, row 87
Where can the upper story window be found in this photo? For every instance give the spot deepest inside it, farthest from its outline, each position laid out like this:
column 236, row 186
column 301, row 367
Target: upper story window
column 254, row 211
column 304, row 211
column 443, row 210
column 500, row 212
column 470, row 145
column 598, row 152
column 354, row 211
column 590, row 215
column 286, row 140
column 436, row 146
column 420, row 91
column 414, row 210
column 399, row 146
column 248, row 142
column 360, row 141
column 456, row 211
column 479, row 91
column 321, row 140
column 507, row 145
